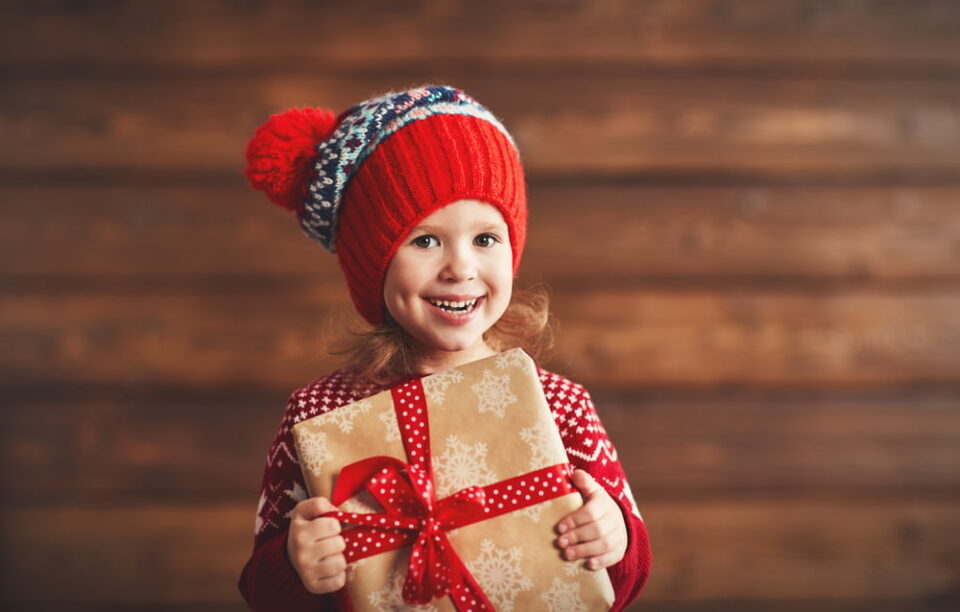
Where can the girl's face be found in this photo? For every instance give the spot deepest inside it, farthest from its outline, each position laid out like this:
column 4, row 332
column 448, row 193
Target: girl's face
column 451, row 278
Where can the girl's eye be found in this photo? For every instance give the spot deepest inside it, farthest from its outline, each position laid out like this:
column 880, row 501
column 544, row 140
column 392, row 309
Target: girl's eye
column 426, row 241
column 485, row 240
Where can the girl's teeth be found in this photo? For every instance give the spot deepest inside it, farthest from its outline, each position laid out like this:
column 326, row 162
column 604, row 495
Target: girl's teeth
column 446, row 304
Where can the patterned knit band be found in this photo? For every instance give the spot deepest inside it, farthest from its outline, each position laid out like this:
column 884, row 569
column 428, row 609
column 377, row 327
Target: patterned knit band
column 362, row 129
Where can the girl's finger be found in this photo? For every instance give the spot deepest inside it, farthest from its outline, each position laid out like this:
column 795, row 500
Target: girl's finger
column 590, row 512
column 331, row 583
column 331, row 566
column 325, row 527
column 584, row 533
column 592, row 548
column 310, row 508
column 602, row 561
column 329, row 546
column 585, row 482
column 589, row 488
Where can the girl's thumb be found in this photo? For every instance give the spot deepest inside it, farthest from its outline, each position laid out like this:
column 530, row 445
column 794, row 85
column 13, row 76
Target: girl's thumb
column 319, row 506
column 585, row 482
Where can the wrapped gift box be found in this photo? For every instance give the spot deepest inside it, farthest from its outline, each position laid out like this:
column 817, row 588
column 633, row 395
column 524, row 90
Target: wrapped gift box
column 485, row 426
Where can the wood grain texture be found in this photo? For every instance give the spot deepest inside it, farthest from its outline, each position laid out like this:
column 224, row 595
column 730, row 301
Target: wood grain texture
column 209, row 447
column 650, row 339
column 749, row 213
column 776, row 338
column 136, row 237
column 661, row 126
column 387, row 33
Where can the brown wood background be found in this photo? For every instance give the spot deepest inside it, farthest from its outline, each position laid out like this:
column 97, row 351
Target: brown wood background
column 749, row 213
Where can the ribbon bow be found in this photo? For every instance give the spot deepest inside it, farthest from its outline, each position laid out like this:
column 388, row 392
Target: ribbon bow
column 407, row 495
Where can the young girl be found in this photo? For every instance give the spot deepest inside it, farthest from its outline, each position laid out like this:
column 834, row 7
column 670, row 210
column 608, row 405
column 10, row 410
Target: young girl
column 422, row 196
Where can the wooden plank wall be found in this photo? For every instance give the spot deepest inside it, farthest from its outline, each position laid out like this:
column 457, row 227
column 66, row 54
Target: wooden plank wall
column 749, row 213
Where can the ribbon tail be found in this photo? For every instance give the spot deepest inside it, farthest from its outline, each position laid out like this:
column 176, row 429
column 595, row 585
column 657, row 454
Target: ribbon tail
column 436, row 570
column 466, row 593
column 428, row 572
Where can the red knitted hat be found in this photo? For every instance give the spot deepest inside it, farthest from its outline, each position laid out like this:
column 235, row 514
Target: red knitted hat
column 361, row 181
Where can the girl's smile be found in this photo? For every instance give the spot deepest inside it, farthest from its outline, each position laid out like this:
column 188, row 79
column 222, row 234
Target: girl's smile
column 451, row 280
column 455, row 310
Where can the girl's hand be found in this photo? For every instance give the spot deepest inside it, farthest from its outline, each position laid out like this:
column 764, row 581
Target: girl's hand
column 596, row 531
column 315, row 546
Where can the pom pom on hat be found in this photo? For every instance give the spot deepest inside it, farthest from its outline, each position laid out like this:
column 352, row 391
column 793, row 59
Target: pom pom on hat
column 281, row 154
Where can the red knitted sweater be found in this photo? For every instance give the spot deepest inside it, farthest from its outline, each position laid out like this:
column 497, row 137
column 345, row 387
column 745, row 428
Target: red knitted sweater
column 269, row 582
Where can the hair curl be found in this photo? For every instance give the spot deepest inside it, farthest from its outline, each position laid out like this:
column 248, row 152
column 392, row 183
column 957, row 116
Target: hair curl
column 382, row 354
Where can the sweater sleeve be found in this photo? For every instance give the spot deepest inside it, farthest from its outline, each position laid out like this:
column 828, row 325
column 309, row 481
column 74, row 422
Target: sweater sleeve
column 589, row 448
column 268, row 581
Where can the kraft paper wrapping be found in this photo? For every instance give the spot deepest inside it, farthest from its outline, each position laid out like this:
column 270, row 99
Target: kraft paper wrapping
column 488, row 421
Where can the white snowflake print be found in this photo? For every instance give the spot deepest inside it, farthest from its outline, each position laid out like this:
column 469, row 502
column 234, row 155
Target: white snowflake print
column 313, row 450
column 351, row 569
column 628, row 493
column 390, row 597
column 258, row 523
column 500, row 574
column 511, row 358
column 542, row 447
column 493, row 393
column 345, row 415
column 540, row 441
column 563, row 597
column 389, row 420
column 574, row 568
column 297, row 494
column 531, row 512
column 461, row 465
column 436, row 385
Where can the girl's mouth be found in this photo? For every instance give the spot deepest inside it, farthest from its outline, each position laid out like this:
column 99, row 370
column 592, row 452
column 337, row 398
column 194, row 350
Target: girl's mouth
column 456, row 313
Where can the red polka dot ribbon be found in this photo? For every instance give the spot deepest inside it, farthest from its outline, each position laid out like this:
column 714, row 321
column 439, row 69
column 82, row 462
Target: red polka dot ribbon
column 413, row 516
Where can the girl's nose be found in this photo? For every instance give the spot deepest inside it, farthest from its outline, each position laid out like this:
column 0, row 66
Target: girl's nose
column 460, row 265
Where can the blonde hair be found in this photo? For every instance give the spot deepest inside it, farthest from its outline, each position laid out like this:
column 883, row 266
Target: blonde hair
column 384, row 353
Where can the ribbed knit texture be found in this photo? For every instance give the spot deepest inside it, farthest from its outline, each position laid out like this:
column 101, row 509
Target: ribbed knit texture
column 359, row 131
column 419, row 169
column 279, row 586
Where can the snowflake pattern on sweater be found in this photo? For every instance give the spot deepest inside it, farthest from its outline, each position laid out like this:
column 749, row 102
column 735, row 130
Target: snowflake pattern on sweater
column 587, row 445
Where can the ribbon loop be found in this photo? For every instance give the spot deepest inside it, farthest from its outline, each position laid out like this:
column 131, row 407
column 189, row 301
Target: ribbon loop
column 461, row 507
column 429, row 573
column 406, row 493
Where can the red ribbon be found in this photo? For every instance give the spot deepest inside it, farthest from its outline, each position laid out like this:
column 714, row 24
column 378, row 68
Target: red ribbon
column 413, row 516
